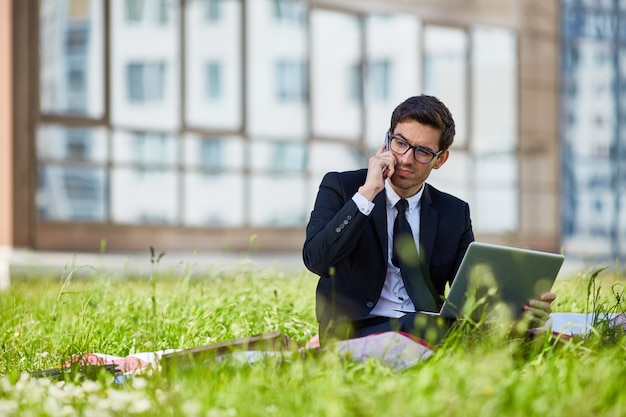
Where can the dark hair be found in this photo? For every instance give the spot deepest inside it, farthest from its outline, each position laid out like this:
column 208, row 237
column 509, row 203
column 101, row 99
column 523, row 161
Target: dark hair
column 427, row 110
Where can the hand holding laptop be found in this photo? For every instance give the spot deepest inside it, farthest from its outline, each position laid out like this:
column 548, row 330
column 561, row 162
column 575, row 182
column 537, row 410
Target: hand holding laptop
column 539, row 310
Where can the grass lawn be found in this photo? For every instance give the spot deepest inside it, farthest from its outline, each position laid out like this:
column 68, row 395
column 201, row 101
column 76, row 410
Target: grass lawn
column 45, row 320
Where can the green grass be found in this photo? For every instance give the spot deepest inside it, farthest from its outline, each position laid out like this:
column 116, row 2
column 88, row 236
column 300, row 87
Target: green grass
column 45, row 320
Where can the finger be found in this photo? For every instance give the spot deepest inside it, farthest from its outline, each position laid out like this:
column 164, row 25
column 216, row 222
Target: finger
column 537, row 313
column 535, row 318
column 548, row 297
column 541, row 305
column 381, row 149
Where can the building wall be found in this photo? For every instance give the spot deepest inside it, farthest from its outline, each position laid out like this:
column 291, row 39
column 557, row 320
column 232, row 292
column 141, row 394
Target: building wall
column 539, row 124
column 535, row 23
column 6, row 124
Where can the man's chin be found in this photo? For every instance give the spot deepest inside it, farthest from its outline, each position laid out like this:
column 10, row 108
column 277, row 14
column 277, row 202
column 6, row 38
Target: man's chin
column 404, row 183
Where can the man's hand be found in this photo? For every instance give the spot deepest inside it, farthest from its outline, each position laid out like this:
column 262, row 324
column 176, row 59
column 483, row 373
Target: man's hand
column 538, row 311
column 379, row 167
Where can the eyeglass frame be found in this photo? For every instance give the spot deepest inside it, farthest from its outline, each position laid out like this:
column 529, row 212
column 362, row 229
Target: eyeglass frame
column 433, row 154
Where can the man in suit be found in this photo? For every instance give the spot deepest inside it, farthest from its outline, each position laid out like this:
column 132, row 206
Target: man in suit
column 350, row 234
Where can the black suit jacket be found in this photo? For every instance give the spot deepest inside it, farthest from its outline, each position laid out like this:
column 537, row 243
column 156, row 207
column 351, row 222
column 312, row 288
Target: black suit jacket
column 348, row 250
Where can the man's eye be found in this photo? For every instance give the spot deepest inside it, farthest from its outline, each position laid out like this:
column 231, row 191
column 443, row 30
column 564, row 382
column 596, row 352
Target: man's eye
column 423, row 151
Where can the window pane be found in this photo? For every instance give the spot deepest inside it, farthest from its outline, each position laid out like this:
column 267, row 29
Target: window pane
column 213, row 69
column 144, row 148
column 271, row 210
column 291, row 81
column 205, row 204
column 494, row 83
column 496, row 206
column 277, row 69
column 495, row 209
column 71, row 143
column 144, row 64
column 213, row 154
column 336, row 75
column 393, row 72
column 71, row 193
column 445, row 72
column 456, row 176
column 278, row 157
column 327, row 157
column 144, row 196
column 71, row 53
column 588, row 106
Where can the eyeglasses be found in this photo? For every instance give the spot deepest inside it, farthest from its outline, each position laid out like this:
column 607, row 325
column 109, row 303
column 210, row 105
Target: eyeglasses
column 421, row 154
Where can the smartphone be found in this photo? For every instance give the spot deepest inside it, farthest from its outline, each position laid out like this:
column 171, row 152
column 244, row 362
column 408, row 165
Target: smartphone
column 387, row 140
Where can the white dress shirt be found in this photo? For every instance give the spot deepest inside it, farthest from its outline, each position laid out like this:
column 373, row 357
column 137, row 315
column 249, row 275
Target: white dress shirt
column 394, row 300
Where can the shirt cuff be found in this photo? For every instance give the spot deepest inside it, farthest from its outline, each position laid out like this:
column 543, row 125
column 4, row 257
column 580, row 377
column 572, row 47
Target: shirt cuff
column 363, row 204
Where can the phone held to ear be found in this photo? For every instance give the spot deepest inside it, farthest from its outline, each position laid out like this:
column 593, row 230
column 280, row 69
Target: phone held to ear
column 387, row 144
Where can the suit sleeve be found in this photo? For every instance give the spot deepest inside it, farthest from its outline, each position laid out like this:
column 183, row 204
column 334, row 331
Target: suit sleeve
column 334, row 227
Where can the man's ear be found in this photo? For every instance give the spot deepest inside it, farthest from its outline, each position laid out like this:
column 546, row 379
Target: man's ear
column 441, row 159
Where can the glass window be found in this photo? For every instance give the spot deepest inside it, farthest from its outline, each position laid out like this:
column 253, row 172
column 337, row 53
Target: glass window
column 355, row 82
column 213, row 10
column 494, row 139
column 392, row 71
column 134, row 10
column 291, row 81
column 379, row 74
column 275, row 107
column 214, row 153
column 213, row 72
column 290, row 11
column 71, row 52
column 144, row 195
column 151, row 12
column 325, row 157
column 145, row 74
column 456, row 176
column 494, row 81
column 144, row 148
column 336, row 75
column 598, row 3
column 146, row 82
column 66, row 143
column 496, row 204
column 445, row 73
column 214, row 81
column 71, row 193
column 278, row 157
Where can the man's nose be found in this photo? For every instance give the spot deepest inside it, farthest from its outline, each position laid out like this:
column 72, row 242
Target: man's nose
column 407, row 157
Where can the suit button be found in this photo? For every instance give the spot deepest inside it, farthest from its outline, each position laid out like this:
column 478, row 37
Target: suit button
column 370, row 304
column 345, row 222
column 337, row 230
column 349, row 217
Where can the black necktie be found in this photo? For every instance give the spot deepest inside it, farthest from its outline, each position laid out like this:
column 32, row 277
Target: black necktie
column 405, row 256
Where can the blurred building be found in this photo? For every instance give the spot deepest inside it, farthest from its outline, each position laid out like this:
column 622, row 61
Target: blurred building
column 208, row 124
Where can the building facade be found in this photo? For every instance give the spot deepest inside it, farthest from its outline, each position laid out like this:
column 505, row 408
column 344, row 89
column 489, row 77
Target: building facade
column 593, row 127
column 208, row 124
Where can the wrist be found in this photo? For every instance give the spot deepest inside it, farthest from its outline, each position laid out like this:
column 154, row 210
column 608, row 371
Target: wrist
column 368, row 192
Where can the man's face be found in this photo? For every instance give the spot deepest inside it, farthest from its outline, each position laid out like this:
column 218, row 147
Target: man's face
column 409, row 175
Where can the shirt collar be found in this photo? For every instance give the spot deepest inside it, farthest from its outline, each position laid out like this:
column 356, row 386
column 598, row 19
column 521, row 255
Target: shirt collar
column 393, row 197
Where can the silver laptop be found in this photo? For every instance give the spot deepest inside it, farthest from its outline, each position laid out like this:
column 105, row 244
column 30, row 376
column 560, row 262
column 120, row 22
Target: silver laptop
column 499, row 279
